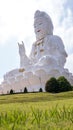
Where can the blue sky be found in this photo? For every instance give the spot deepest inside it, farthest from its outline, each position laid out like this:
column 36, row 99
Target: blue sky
column 16, row 24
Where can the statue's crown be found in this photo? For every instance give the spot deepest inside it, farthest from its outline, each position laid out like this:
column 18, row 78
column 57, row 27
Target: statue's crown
column 39, row 13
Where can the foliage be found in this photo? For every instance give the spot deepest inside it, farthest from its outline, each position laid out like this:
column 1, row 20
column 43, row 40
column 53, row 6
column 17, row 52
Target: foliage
column 40, row 90
column 46, row 111
column 11, row 91
column 52, row 119
column 25, row 90
column 72, row 87
column 64, row 84
column 52, row 85
column 58, row 85
column 35, row 97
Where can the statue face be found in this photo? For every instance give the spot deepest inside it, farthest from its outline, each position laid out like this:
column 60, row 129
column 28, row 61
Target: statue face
column 42, row 27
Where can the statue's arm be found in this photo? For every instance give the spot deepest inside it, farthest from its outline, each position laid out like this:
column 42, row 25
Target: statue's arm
column 32, row 53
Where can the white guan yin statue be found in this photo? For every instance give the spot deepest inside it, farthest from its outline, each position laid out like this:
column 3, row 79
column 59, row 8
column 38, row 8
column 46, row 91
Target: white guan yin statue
column 47, row 46
column 46, row 60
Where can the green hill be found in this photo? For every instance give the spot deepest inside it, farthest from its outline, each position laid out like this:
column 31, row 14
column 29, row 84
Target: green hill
column 39, row 111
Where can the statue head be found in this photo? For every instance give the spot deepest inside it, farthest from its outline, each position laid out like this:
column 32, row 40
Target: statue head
column 42, row 24
column 21, row 49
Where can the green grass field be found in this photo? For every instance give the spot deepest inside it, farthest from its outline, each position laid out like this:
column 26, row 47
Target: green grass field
column 39, row 111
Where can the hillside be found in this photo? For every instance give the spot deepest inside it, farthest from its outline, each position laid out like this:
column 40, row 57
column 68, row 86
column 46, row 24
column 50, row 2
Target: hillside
column 36, row 111
column 35, row 97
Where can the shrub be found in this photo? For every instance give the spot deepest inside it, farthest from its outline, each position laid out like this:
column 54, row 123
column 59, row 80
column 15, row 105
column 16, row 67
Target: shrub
column 40, row 90
column 25, row 90
column 11, row 91
column 64, row 84
column 52, row 85
column 72, row 88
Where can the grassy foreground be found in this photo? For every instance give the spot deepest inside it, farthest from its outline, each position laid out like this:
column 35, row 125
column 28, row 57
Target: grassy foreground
column 39, row 111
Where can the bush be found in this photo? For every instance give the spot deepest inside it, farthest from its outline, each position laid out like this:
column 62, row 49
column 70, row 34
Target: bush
column 72, row 88
column 11, row 91
column 58, row 85
column 52, row 85
column 25, row 90
column 40, row 90
column 64, row 84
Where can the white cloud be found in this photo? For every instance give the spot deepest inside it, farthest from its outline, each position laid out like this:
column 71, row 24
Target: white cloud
column 17, row 16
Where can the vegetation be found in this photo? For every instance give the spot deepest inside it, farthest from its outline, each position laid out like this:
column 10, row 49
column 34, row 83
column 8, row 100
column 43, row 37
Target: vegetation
column 58, row 85
column 54, row 119
column 52, row 85
column 37, row 111
column 25, row 90
column 11, row 91
column 40, row 90
column 35, row 97
column 64, row 84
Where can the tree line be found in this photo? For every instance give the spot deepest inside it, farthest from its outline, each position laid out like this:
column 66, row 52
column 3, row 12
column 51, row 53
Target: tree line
column 53, row 85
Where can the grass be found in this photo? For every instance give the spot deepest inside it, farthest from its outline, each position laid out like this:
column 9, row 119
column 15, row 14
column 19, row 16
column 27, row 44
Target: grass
column 39, row 111
column 52, row 119
column 34, row 97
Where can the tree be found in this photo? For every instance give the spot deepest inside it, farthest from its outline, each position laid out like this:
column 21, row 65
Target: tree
column 40, row 90
column 64, row 84
column 72, row 87
column 25, row 90
column 52, row 85
column 11, row 91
